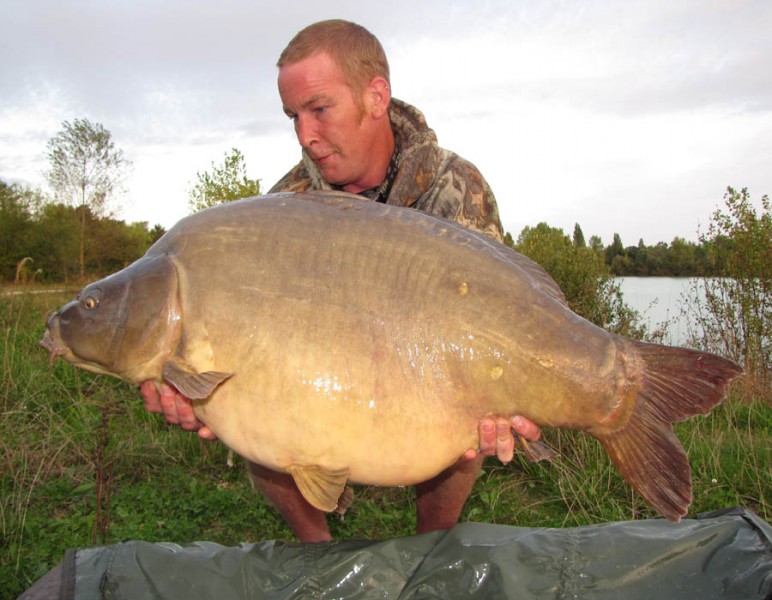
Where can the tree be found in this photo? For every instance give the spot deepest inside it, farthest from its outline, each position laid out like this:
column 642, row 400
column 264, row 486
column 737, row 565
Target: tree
column 640, row 259
column 614, row 250
column 86, row 169
column 117, row 244
column 15, row 224
column 19, row 208
column 156, row 233
column 680, row 258
column 596, row 243
column 578, row 237
column 55, row 245
column 224, row 184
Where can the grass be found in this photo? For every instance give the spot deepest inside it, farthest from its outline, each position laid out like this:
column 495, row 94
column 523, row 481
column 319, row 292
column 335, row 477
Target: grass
column 83, row 464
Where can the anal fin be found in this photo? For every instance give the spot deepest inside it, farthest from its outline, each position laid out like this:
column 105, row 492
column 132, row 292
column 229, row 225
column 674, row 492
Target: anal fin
column 321, row 487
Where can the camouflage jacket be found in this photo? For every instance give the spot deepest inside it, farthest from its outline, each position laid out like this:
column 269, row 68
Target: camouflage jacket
column 429, row 178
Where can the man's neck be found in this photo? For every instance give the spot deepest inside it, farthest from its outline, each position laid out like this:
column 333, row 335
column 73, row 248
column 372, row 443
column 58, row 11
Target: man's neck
column 381, row 192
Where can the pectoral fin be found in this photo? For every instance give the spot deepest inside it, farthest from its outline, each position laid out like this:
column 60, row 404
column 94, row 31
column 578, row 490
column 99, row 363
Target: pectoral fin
column 322, row 488
column 195, row 386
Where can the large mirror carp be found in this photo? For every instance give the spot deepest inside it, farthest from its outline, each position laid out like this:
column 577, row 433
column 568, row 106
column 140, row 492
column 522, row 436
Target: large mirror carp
column 321, row 334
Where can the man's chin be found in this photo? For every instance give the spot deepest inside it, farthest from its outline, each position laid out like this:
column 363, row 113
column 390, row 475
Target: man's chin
column 331, row 174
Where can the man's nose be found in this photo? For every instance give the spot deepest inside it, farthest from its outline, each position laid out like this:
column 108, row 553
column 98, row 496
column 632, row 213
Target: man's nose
column 305, row 130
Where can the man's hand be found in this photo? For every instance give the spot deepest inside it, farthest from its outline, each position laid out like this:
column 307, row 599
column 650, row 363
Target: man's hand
column 497, row 439
column 177, row 409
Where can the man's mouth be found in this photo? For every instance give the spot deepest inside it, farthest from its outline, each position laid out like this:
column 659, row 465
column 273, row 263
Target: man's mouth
column 319, row 160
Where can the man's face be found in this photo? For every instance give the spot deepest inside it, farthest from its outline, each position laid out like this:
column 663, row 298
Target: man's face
column 333, row 125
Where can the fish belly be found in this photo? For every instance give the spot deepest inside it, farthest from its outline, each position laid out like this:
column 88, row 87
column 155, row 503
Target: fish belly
column 377, row 344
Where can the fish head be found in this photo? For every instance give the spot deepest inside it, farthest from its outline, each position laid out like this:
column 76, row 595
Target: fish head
column 124, row 325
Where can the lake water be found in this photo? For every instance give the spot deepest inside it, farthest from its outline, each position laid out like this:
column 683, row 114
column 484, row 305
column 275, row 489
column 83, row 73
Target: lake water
column 658, row 300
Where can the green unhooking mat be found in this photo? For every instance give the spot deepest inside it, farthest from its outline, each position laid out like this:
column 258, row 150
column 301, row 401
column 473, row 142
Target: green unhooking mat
column 727, row 554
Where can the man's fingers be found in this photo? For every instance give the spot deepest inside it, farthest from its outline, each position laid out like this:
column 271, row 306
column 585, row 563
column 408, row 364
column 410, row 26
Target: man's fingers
column 497, row 439
column 525, row 428
column 185, row 415
column 169, row 404
column 470, row 454
column 151, row 396
column 176, row 409
column 486, row 431
column 205, row 433
column 505, row 441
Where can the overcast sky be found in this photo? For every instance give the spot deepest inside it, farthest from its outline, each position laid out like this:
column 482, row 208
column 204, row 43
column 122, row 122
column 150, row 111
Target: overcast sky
column 629, row 117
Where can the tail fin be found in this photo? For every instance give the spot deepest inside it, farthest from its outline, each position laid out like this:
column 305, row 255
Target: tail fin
column 679, row 383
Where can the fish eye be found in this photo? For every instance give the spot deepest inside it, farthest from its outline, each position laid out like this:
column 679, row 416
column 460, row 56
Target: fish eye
column 89, row 302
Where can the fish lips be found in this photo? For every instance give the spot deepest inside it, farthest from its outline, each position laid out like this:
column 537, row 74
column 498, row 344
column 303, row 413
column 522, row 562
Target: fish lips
column 52, row 340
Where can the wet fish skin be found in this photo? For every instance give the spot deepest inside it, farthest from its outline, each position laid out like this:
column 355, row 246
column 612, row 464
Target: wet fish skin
column 315, row 329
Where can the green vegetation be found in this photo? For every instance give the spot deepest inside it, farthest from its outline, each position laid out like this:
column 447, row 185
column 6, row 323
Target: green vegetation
column 49, row 241
column 735, row 318
column 224, row 184
column 71, row 236
column 85, row 170
column 680, row 258
column 41, row 241
column 583, row 276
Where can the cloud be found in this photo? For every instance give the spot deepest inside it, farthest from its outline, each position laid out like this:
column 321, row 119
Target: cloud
column 607, row 113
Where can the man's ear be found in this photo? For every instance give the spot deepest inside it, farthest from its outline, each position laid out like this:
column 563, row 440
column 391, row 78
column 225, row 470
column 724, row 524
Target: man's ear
column 378, row 97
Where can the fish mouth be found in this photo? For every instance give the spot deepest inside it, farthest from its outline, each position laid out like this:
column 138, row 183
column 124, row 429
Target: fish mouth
column 52, row 341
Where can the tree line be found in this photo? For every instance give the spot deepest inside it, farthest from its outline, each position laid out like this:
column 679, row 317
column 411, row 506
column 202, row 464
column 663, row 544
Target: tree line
column 41, row 241
column 72, row 235
column 679, row 258
column 45, row 240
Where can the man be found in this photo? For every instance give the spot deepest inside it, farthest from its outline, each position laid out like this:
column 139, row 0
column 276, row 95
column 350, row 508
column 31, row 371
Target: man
column 334, row 85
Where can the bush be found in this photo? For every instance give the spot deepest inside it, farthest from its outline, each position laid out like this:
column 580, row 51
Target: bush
column 730, row 314
column 582, row 274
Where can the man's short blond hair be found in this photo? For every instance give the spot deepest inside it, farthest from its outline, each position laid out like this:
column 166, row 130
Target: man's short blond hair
column 356, row 51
